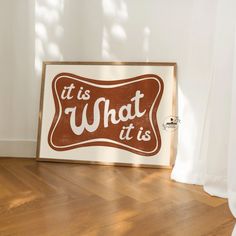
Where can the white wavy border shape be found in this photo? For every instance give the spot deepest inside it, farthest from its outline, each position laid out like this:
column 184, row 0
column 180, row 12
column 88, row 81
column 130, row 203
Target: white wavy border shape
column 104, row 139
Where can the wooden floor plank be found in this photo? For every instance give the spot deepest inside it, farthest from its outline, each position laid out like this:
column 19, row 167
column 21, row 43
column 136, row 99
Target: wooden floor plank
column 70, row 199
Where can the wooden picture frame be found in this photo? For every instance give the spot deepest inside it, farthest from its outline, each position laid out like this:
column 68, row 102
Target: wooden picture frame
column 112, row 113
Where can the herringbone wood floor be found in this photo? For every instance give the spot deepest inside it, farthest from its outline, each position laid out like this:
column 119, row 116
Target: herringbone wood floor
column 72, row 199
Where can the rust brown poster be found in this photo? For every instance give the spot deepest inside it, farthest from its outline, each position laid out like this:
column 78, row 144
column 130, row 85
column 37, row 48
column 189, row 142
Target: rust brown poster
column 109, row 113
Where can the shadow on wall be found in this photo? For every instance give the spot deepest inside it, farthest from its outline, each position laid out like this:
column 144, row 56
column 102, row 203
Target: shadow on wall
column 135, row 32
column 109, row 30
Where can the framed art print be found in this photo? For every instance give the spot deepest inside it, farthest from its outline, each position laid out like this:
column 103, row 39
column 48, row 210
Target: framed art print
column 121, row 113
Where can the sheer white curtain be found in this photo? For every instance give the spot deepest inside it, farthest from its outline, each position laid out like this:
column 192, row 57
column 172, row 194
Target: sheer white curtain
column 213, row 162
column 232, row 141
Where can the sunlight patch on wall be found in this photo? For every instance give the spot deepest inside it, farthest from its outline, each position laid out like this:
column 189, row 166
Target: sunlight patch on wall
column 119, row 32
column 146, row 40
column 58, row 4
column 48, row 31
column 114, row 33
column 105, row 44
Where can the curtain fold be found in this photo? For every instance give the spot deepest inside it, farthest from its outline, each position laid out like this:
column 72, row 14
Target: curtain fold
column 232, row 142
column 214, row 163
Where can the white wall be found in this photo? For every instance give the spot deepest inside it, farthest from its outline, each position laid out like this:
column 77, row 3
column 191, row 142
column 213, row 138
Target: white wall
column 96, row 30
column 18, row 86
